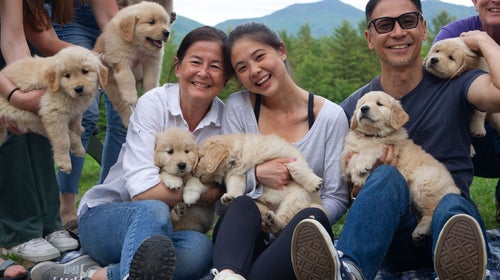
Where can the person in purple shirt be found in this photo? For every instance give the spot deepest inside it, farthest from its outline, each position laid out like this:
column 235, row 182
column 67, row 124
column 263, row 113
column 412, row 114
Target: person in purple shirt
column 487, row 158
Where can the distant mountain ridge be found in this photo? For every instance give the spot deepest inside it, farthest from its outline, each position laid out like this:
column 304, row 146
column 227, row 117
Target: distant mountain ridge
column 323, row 17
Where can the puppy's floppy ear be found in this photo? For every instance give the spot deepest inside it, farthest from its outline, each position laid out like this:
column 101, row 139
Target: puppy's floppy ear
column 53, row 79
column 218, row 152
column 194, row 148
column 127, row 27
column 103, row 75
column 398, row 116
column 354, row 121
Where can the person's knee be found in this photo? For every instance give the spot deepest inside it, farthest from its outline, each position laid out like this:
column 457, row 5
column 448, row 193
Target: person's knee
column 155, row 211
column 193, row 255
column 387, row 179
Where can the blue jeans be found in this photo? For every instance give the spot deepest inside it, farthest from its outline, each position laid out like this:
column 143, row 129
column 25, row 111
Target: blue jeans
column 83, row 31
column 377, row 230
column 111, row 234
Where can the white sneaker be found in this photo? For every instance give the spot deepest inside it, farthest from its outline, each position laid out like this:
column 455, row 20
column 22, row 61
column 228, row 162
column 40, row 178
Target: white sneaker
column 226, row 275
column 35, row 250
column 62, row 240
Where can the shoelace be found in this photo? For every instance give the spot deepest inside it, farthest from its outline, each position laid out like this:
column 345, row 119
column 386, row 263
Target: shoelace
column 59, row 234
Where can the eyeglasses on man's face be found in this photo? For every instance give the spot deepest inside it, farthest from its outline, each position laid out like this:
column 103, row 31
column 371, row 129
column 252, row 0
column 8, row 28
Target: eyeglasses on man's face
column 386, row 24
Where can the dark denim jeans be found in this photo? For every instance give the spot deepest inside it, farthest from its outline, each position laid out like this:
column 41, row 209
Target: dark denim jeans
column 378, row 228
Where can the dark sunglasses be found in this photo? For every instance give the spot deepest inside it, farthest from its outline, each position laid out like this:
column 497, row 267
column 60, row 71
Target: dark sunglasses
column 386, row 24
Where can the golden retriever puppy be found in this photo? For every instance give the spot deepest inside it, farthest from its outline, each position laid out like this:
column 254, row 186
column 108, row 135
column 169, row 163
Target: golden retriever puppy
column 225, row 159
column 378, row 121
column 176, row 154
column 133, row 45
column 448, row 59
column 167, row 4
column 72, row 77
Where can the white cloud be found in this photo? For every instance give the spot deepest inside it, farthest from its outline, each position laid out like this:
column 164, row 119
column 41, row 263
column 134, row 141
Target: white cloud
column 216, row 11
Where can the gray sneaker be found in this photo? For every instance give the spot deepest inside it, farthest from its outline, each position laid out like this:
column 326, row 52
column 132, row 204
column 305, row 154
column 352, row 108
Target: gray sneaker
column 77, row 269
column 314, row 256
column 460, row 252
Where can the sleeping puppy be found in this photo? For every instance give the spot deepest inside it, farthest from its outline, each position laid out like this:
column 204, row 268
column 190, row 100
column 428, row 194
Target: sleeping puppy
column 448, row 59
column 378, row 121
column 176, row 154
column 133, row 45
column 226, row 159
column 72, row 77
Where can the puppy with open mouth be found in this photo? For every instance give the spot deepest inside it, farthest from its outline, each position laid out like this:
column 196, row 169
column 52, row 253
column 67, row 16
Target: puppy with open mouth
column 133, row 44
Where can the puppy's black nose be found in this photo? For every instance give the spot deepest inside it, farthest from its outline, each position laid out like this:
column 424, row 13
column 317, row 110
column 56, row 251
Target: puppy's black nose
column 365, row 108
column 78, row 89
column 434, row 60
column 181, row 165
column 166, row 33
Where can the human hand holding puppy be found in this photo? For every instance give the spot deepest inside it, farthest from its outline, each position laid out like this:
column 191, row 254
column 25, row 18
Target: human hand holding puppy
column 29, row 100
column 273, row 173
column 387, row 157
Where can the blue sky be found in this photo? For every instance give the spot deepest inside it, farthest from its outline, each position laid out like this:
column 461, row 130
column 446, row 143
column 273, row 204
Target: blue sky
column 216, row 11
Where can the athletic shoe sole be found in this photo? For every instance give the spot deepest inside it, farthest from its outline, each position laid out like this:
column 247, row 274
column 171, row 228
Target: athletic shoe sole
column 460, row 252
column 313, row 254
column 153, row 260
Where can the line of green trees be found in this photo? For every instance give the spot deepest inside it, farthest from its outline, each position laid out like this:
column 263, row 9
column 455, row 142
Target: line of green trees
column 331, row 66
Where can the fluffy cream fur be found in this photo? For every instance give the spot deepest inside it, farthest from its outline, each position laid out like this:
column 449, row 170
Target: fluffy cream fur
column 72, row 78
column 176, row 154
column 451, row 57
column 133, row 45
column 378, row 121
column 225, row 159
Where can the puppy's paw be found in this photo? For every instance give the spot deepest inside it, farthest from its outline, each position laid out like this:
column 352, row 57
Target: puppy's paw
column 478, row 130
column 421, row 231
column 358, row 180
column 180, row 209
column 130, row 99
column 78, row 151
column 190, row 197
column 226, row 199
column 269, row 218
column 419, row 238
column 171, row 182
column 273, row 223
column 66, row 168
column 315, row 184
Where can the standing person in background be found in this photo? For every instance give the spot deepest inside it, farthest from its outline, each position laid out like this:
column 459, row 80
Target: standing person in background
column 273, row 103
column 124, row 223
column 487, row 158
column 378, row 228
column 30, row 226
column 89, row 19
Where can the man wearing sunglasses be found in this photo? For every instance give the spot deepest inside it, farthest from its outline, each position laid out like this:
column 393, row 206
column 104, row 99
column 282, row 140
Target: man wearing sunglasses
column 377, row 232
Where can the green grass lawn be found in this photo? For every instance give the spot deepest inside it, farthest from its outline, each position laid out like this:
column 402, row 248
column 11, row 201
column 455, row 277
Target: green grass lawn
column 482, row 191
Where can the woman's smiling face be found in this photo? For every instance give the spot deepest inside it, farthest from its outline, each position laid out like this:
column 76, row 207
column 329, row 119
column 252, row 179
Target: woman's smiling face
column 201, row 72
